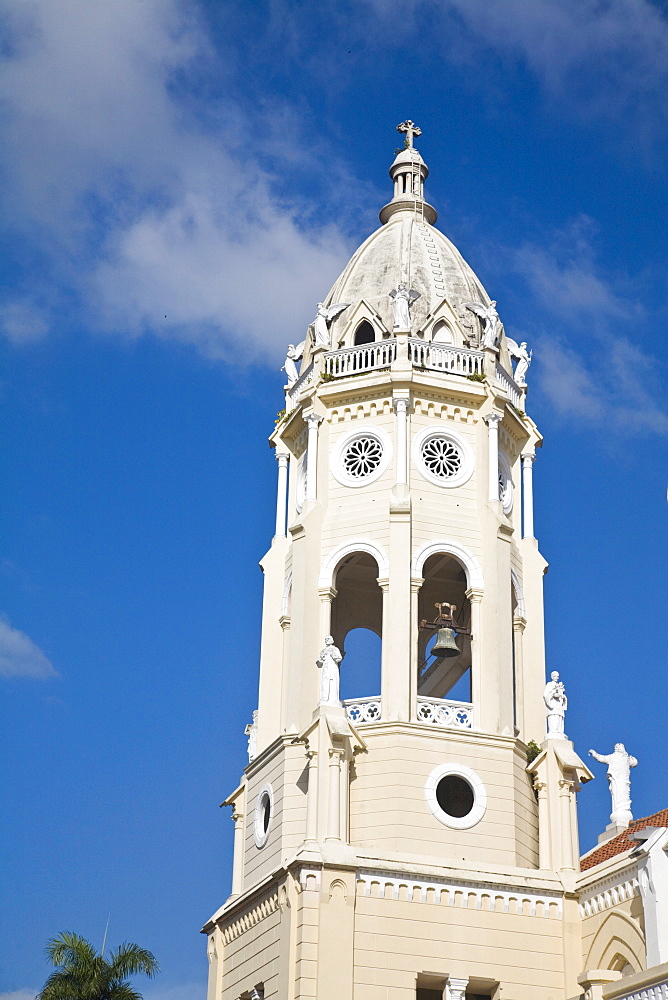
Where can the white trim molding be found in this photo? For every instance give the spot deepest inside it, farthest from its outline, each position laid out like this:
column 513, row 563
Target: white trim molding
column 467, row 559
column 446, row 892
column 326, row 578
column 477, row 787
column 609, row 892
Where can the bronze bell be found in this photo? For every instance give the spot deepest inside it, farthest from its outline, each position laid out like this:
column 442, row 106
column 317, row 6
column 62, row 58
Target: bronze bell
column 445, row 644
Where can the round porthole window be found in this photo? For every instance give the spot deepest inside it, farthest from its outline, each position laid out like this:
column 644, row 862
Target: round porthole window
column 456, row 796
column 442, row 457
column 264, row 808
column 361, row 457
column 505, row 485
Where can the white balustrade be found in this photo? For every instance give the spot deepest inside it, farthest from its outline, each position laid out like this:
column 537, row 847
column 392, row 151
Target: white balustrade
column 352, row 360
column 362, row 709
column 293, row 393
column 441, row 358
column 509, row 385
column 450, row 714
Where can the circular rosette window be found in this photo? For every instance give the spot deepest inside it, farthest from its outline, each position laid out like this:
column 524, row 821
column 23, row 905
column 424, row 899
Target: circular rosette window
column 505, row 485
column 442, row 457
column 361, row 457
column 456, row 796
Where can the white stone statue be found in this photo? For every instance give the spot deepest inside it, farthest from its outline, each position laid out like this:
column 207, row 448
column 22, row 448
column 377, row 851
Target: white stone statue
column 290, row 366
column 556, row 704
column 523, row 357
column 328, row 662
column 619, row 778
column 491, row 324
column 403, row 300
column 251, row 732
column 325, row 315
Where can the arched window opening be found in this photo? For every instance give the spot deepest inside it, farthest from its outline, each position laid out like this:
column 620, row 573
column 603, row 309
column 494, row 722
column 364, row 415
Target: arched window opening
column 442, row 334
column 365, row 333
column 444, row 677
column 360, row 669
column 357, row 624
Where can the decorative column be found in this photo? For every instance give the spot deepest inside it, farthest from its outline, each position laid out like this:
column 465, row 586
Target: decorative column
column 475, row 597
column 401, row 410
column 327, row 595
column 312, row 797
column 281, row 494
column 238, row 863
column 455, row 989
column 527, row 492
column 519, row 624
column 334, row 805
column 544, row 856
column 312, row 421
column 565, row 792
column 492, row 420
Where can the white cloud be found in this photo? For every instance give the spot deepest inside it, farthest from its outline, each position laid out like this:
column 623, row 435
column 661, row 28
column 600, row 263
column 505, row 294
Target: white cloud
column 22, row 322
column 145, row 217
column 607, row 58
column 592, row 364
column 24, row 994
column 20, row 657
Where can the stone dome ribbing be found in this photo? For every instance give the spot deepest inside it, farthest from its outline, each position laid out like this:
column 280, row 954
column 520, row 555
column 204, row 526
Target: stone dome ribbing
column 408, row 249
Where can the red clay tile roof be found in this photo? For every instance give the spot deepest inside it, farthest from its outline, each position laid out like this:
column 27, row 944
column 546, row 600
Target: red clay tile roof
column 622, row 842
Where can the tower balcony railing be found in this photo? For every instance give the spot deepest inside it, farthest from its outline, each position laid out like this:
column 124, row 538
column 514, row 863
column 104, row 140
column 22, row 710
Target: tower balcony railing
column 441, row 358
column 437, row 711
column 363, row 709
column 365, row 358
column 449, row 714
column 460, row 361
column 509, row 385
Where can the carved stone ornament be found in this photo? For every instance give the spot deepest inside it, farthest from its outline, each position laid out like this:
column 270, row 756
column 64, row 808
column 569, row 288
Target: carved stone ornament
column 556, row 704
column 619, row 779
column 328, row 662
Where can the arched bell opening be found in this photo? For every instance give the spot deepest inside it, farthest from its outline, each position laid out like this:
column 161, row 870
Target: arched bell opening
column 364, row 334
column 447, row 673
column 357, row 627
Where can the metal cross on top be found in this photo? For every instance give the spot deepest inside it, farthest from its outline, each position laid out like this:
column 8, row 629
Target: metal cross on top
column 410, row 129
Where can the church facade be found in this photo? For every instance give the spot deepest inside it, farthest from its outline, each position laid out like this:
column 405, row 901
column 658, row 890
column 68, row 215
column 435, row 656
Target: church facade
column 414, row 841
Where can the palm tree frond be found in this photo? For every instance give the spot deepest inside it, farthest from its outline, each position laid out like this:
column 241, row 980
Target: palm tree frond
column 70, row 950
column 130, row 959
column 82, row 974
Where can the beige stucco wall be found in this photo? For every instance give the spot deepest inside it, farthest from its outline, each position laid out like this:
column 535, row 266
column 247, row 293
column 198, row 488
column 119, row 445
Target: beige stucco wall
column 387, row 796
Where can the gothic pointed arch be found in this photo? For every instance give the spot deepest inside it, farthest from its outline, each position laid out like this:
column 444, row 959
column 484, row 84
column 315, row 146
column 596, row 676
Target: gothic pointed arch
column 617, row 938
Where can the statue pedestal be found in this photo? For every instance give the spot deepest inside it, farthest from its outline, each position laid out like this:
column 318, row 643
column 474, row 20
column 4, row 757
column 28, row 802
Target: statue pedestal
column 611, row 830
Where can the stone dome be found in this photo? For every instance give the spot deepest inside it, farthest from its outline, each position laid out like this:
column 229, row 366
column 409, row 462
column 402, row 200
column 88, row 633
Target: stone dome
column 407, row 248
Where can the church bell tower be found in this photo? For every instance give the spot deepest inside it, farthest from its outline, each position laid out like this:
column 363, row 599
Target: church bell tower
column 397, row 843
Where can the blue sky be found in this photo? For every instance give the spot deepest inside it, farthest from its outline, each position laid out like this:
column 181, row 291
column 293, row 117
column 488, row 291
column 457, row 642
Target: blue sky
column 182, row 182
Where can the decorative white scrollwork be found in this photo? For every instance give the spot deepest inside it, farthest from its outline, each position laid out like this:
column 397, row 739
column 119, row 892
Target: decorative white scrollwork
column 441, row 456
column 362, row 456
column 450, row 714
column 363, row 709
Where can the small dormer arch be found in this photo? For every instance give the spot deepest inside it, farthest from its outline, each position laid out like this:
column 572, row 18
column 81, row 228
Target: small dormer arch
column 442, row 333
column 442, row 327
column 361, row 321
column 364, row 333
